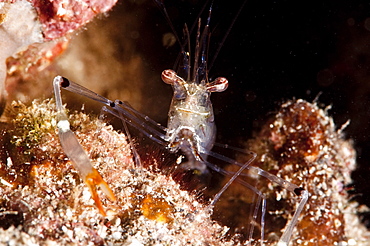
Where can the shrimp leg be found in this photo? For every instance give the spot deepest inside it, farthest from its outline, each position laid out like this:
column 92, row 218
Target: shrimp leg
column 77, row 154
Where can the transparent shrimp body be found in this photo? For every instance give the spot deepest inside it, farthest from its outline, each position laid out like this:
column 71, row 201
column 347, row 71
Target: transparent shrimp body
column 191, row 125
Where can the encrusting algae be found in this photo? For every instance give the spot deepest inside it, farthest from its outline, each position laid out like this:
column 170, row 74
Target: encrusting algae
column 44, row 201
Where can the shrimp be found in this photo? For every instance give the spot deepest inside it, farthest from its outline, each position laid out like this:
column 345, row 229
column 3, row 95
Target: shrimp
column 190, row 128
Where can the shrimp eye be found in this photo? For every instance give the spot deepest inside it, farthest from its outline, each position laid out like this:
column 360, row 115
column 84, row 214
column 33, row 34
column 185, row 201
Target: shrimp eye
column 218, row 85
column 169, row 76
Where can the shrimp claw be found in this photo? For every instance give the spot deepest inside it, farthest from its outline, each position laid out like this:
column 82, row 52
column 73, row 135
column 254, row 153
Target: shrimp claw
column 76, row 153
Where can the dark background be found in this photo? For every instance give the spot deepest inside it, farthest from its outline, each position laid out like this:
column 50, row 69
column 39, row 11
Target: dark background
column 276, row 51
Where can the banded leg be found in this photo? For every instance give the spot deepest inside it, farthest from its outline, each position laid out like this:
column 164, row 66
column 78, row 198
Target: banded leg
column 77, row 154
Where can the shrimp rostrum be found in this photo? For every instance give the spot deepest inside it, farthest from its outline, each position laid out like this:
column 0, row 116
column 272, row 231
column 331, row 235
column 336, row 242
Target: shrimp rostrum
column 190, row 128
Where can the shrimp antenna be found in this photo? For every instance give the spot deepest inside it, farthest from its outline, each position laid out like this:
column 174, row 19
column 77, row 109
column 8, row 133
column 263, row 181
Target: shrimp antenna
column 199, row 14
column 163, row 9
column 202, row 70
column 186, row 55
column 226, row 35
column 186, row 40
